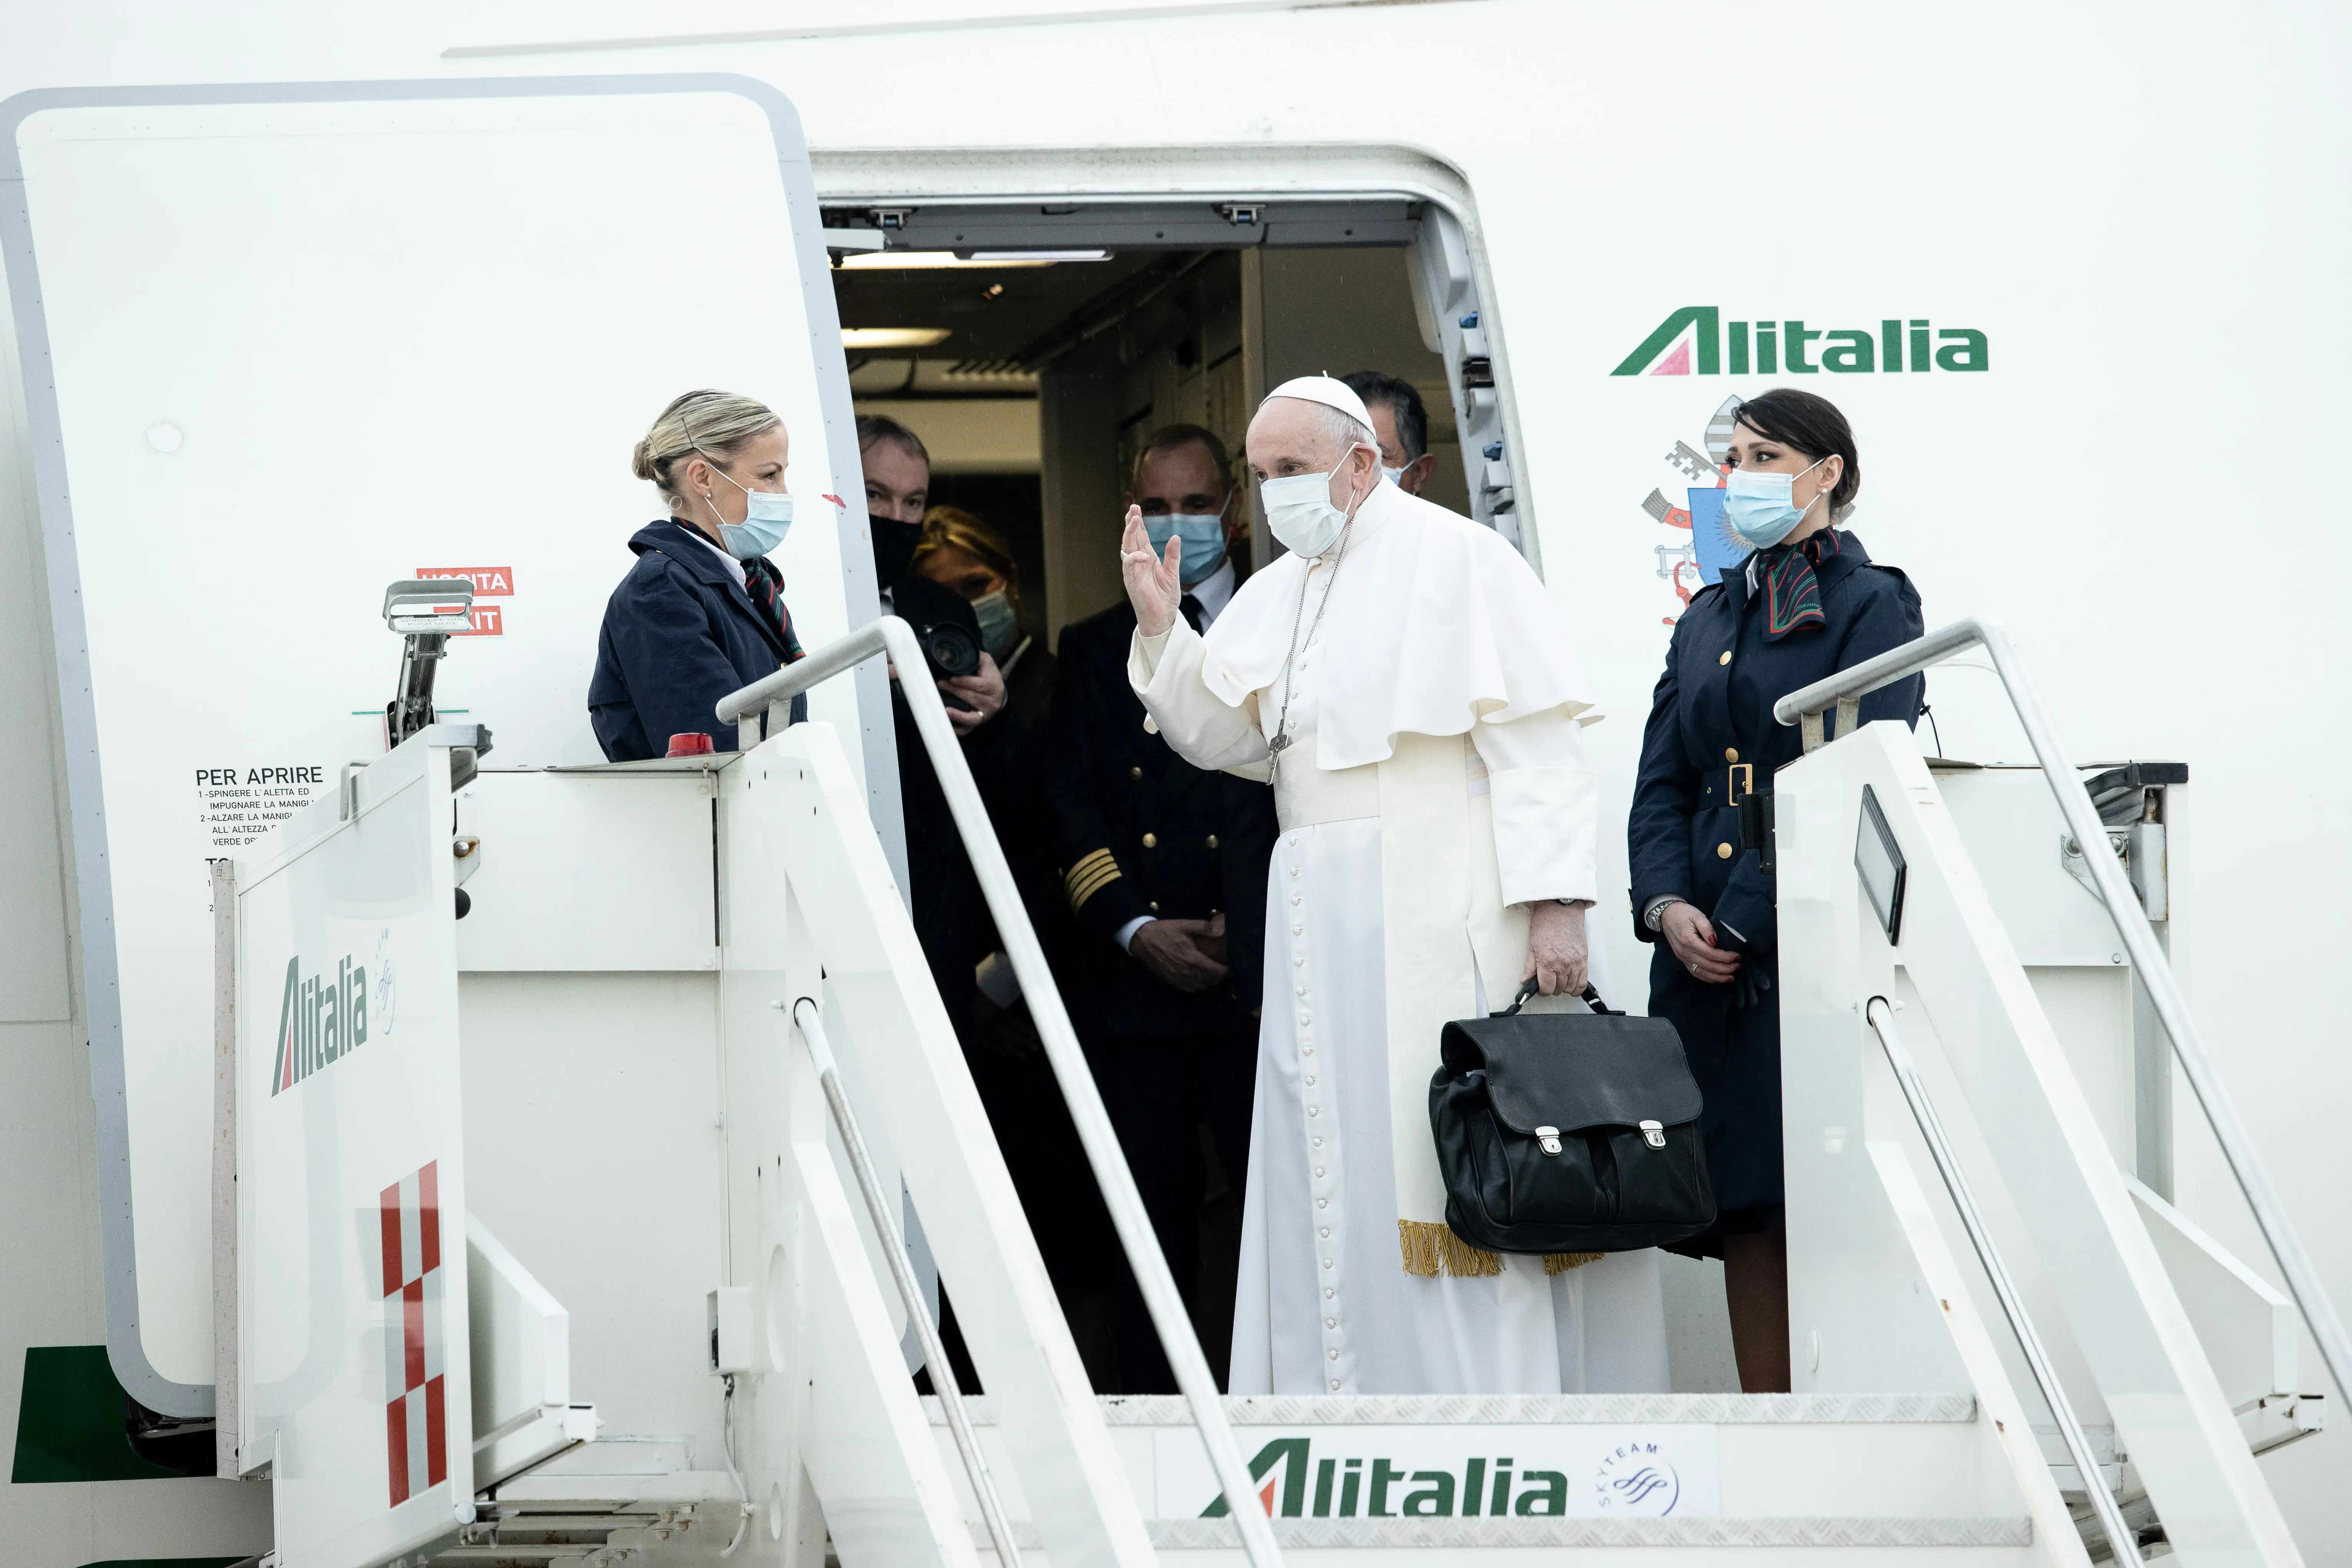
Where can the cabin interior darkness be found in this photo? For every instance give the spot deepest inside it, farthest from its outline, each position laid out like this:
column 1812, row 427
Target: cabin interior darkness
column 1049, row 376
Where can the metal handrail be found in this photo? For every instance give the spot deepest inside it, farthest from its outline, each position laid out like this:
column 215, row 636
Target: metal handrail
column 2121, row 1539
column 1140, row 1243
column 810, row 1017
column 1845, row 689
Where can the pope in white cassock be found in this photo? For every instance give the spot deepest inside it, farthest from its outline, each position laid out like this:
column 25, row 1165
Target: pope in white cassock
column 1402, row 678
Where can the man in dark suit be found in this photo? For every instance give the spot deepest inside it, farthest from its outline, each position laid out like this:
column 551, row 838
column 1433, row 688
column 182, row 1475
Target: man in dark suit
column 943, row 895
column 1165, row 867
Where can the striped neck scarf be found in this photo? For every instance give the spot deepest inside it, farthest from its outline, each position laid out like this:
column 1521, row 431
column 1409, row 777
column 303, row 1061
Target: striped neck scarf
column 767, row 590
column 1792, row 594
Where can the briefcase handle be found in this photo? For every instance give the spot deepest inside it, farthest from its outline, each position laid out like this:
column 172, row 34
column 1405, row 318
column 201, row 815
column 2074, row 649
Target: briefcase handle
column 1589, row 996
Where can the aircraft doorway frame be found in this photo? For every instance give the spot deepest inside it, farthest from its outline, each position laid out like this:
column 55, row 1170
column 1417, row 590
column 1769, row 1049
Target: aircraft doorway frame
column 1082, row 197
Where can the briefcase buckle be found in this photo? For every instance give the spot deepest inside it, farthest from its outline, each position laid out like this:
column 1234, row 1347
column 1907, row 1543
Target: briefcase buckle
column 1547, row 1139
column 1653, row 1133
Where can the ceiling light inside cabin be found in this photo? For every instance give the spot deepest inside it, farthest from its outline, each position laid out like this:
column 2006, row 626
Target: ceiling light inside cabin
column 915, row 260
column 892, row 337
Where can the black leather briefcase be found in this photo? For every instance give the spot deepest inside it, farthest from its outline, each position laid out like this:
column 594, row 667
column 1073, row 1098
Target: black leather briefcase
column 1564, row 1132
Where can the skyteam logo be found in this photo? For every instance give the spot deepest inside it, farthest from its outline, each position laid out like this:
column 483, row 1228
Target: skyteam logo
column 320, row 1021
column 1636, row 1478
column 1697, row 341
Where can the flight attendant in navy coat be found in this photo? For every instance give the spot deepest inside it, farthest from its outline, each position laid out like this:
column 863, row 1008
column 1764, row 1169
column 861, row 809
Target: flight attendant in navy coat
column 1809, row 602
column 702, row 611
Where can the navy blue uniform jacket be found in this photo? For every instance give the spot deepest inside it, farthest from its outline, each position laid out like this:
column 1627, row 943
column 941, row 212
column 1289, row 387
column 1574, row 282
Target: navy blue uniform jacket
column 1712, row 712
column 1142, row 831
column 680, row 633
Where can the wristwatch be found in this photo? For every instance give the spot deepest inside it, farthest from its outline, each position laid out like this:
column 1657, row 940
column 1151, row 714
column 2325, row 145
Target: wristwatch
column 1655, row 915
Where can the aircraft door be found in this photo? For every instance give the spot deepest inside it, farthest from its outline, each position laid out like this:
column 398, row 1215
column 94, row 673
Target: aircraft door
column 283, row 345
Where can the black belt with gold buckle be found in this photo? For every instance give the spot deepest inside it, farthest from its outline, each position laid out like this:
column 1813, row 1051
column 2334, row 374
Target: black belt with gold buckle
column 1755, row 808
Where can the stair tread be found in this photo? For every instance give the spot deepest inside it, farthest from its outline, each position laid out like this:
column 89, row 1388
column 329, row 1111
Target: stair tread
column 1821, row 1532
column 1450, row 1409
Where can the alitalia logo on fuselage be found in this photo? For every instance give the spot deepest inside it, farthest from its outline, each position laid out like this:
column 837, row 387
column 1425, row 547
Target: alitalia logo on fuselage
column 1697, row 341
column 319, row 1022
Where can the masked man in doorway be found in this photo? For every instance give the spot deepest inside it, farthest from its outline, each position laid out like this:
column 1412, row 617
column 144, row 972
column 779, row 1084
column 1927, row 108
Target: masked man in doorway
column 950, row 918
column 1402, row 678
column 1401, row 424
column 1166, row 870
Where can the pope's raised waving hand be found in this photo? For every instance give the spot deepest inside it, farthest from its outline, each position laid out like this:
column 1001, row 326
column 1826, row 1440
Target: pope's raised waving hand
column 1152, row 586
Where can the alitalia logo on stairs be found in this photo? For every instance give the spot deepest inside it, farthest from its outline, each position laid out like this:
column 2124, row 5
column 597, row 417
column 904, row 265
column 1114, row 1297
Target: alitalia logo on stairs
column 1457, row 1471
column 1697, row 341
column 320, row 1020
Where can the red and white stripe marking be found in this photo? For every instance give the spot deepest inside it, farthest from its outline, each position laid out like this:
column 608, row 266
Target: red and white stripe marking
column 416, row 1418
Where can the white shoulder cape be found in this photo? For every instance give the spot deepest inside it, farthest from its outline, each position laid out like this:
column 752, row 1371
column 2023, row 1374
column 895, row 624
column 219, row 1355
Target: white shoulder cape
column 1459, row 629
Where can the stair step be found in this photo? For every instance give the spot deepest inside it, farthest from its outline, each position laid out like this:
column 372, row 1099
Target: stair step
column 1403, row 1534
column 1892, row 1471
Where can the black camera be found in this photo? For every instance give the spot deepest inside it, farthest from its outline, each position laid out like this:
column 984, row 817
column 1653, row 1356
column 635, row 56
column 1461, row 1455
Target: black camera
column 944, row 629
column 949, row 650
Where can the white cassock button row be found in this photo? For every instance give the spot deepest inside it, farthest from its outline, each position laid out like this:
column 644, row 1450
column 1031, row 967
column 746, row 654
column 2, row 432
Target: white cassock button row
column 1310, row 1101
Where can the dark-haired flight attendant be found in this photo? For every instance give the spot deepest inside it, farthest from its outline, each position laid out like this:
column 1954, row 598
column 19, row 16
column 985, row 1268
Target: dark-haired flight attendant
column 1808, row 603
column 702, row 611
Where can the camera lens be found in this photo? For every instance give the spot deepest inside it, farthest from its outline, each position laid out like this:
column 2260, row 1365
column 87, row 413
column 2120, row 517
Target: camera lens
column 952, row 650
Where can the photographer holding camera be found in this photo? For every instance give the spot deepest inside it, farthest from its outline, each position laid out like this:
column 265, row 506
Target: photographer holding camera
column 898, row 491
column 944, row 896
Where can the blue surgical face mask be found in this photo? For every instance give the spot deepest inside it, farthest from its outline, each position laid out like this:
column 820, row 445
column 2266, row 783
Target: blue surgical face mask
column 767, row 518
column 1395, row 476
column 1203, row 534
column 1759, row 509
column 999, row 627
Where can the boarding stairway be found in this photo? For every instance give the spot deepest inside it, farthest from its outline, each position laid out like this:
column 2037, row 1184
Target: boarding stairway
column 2009, row 1345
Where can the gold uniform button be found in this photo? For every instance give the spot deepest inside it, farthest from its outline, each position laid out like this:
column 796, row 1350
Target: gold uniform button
column 1155, row 906
column 1731, row 753
column 1726, row 659
column 1212, row 841
column 1151, row 841
column 1135, row 773
column 1723, row 851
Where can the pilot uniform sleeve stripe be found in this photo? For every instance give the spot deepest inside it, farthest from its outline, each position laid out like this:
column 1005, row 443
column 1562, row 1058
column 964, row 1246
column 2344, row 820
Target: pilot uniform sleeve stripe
column 1090, row 875
column 1079, row 894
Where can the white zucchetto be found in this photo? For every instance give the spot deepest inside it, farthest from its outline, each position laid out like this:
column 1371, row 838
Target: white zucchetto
column 1329, row 391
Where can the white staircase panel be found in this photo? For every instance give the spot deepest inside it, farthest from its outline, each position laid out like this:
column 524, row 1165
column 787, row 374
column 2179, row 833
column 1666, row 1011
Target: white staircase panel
column 352, row 1350
column 894, row 1035
column 2247, row 1325
column 2045, row 1142
column 524, row 1414
column 596, row 870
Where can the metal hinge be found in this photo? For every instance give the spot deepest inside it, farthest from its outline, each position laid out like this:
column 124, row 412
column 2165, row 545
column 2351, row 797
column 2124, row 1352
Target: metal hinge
column 2140, row 847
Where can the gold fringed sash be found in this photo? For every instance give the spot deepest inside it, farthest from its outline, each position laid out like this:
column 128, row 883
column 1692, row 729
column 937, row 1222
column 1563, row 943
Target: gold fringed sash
column 1431, row 1250
column 1561, row 1262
